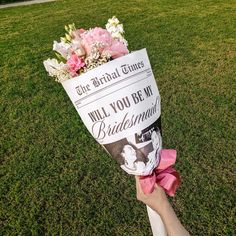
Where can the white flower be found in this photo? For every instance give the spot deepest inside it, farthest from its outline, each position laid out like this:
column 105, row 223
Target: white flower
column 62, row 48
column 58, row 70
column 117, row 35
column 116, row 30
column 110, row 28
column 120, row 28
column 113, row 21
column 51, row 66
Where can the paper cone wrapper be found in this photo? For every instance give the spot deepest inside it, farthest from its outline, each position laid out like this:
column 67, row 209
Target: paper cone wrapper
column 119, row 103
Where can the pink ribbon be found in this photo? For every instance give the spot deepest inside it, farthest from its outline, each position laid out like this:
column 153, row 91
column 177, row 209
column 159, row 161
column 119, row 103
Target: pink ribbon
column 164, row 175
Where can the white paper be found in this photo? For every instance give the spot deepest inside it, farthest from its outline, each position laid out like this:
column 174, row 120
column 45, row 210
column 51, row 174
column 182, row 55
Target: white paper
column 157, row 225
column 119, row 103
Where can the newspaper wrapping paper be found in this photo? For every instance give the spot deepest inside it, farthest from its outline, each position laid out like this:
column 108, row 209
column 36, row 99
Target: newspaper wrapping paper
column 119, row 103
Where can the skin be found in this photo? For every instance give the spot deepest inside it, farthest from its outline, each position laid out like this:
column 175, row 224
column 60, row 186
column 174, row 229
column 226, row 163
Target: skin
column 158, row 201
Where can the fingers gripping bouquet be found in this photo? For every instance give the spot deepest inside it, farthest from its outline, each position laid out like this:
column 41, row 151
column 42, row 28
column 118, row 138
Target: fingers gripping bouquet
column 117, row 98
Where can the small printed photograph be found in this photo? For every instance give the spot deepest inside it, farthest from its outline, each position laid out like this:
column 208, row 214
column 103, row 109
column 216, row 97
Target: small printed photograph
column 138, row 154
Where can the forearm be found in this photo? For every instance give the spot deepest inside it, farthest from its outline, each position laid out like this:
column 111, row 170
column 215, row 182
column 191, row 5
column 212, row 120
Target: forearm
column 158, row 201
column 172, row 223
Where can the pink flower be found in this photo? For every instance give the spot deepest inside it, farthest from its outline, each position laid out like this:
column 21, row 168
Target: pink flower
column 76, row 35
column 75, row 63
column 117, row 49
column 96, row 35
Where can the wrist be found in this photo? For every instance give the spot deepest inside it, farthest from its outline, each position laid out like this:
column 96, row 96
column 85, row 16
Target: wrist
column 164, row 208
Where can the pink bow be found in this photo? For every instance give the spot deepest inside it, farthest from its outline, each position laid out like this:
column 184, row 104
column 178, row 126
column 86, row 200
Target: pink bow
column 164, row 175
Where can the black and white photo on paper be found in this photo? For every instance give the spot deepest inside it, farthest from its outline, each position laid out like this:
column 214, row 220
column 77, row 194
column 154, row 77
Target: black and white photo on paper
column 138, row 154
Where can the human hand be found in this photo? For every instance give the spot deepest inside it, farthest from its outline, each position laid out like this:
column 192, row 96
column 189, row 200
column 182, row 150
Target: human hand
column 157, row 200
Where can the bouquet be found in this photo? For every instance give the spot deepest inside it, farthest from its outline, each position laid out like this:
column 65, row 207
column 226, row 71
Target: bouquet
column 116, row 95
column 82, row 50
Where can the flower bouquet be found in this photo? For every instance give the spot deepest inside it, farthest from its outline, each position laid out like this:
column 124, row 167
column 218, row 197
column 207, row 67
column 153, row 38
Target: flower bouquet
column 116, row 96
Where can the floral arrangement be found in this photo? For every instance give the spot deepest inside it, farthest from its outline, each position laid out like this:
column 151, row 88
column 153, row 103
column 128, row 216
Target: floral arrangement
column 82, row 50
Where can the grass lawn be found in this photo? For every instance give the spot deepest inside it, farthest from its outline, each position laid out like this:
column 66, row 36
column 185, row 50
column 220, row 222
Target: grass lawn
column 55, row 180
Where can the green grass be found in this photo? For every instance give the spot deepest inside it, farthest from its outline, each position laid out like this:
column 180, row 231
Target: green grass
column 55, row 180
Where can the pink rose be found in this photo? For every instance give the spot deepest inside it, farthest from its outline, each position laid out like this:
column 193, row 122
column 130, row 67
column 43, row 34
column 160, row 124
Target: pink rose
column 96, row 35
column 117, row 49
column 75, row 63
